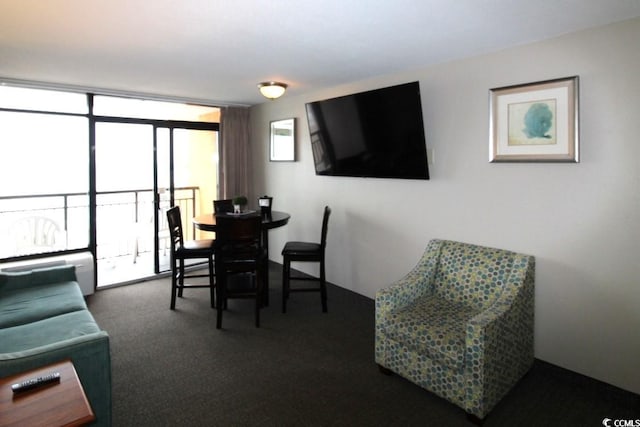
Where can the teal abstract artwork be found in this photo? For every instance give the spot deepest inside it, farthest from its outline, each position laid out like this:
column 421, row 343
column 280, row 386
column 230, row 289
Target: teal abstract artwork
column 537, row 121
column 532, row 123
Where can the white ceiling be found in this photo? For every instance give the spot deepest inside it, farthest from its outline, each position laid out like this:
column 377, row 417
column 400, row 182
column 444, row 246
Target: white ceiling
column 218, row 50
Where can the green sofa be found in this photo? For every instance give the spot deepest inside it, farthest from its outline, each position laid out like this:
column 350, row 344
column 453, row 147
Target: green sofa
column 44, row 319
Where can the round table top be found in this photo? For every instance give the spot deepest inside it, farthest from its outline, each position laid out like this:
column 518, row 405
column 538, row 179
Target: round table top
column 207, row 222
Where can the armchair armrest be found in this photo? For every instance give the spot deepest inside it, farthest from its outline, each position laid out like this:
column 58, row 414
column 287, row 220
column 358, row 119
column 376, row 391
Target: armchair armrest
column 418, row 282
column 513, row 308
column 401, row 293
column 499, row 340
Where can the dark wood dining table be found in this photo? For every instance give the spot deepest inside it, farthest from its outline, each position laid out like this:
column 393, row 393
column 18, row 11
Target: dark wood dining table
column 207, row 222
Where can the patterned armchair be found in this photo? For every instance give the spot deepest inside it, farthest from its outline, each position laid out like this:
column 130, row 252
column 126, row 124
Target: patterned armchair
column 460, row 324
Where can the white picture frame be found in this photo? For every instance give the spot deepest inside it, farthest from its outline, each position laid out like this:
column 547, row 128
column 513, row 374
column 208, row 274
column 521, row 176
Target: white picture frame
column 282, row 140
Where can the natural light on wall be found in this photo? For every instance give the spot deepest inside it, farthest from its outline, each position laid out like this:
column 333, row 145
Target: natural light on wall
column 150, row 109
column 21, row 98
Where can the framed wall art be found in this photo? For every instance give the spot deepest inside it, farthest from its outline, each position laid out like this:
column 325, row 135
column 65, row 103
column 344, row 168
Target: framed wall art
column 282, row 136
column 535, row 122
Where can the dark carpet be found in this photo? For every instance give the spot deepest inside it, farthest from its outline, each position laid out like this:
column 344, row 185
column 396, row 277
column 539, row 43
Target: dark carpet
column 303, row 368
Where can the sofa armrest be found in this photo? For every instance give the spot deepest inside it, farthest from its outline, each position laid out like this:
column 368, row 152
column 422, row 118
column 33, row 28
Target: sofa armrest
column 14, row 362
column 91, row 359
column 37, row 277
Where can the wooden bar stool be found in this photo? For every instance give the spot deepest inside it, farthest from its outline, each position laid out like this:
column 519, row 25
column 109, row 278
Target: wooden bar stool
column 306, row 252
column 182, row 250
column 240, row 262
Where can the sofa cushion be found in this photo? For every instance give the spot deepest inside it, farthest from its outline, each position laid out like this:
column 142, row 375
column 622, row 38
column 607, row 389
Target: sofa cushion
column 36, row 277
column 47, row 331
column 434, row 326
column 35, row 303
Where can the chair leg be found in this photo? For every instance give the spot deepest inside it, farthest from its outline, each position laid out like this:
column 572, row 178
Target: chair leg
column 323, row 287
column 219, row 317
column 265, row 283
column 286, row 267
column 385, row 371
column 181, row 278
column 219, row 309
column 474, row 419
column 259, row 300
column 174, row 287
column 135, row 249
column 212, row 287
column 222, row 300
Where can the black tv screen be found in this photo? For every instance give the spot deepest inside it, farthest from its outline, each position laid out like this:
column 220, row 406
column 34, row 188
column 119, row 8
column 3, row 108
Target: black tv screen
column 378, row 134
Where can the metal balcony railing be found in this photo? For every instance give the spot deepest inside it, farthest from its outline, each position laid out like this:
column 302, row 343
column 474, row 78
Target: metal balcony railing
column 42, row 223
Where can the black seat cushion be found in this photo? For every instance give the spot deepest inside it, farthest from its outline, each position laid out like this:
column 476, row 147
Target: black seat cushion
column 301, row 248
column 196, row 248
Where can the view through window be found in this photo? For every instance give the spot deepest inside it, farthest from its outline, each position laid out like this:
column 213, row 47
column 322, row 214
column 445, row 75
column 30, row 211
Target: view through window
column 149, row 155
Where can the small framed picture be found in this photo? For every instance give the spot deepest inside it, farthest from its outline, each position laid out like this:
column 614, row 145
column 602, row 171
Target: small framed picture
column 282, row 147
column 535, row 122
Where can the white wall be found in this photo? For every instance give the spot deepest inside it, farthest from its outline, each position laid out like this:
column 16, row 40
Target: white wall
column 581, row 221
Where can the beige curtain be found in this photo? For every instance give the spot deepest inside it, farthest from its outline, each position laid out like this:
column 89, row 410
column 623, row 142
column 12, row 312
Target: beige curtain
column 234, row 165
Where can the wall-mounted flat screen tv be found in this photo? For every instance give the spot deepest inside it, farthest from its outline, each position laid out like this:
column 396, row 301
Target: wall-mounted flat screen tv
column 378, row 134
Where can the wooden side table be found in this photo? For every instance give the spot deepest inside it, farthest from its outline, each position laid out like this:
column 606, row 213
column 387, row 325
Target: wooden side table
column 56, row 404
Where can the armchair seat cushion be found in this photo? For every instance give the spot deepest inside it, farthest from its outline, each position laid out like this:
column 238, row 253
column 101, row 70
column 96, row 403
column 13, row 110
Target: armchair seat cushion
column 434, row 326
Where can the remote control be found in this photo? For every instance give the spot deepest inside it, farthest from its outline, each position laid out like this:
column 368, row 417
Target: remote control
column 35, row 382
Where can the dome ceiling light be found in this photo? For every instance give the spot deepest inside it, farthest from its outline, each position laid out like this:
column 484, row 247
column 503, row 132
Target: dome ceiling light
column 272, row 90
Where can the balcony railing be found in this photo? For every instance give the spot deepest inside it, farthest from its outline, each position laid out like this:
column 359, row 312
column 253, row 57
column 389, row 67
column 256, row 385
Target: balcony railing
column 42, row 223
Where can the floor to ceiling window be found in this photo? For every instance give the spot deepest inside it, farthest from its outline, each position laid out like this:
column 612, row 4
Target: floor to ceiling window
column 149, row 155
column 44, row 172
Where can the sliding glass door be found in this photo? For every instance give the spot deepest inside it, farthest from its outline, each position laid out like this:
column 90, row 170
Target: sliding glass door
column 136, row 184
column 124, row 202
column 187, row 176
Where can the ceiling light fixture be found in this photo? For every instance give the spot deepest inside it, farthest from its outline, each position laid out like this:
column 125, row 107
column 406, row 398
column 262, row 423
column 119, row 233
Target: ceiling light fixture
column 272, row 90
